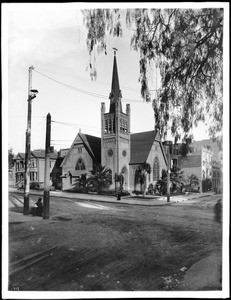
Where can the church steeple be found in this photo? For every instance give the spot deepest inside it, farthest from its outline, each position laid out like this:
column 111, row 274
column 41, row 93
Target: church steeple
column 115, row 131
column 115, row 95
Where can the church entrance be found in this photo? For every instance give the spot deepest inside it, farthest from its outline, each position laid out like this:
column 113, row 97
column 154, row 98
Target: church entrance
column 124, row 172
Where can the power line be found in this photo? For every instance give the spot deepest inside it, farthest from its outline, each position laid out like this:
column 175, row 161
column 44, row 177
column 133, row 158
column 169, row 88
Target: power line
column 84, row 91
column 73, row 125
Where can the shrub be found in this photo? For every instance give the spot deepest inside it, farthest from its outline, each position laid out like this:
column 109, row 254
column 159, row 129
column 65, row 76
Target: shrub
column 36, row 186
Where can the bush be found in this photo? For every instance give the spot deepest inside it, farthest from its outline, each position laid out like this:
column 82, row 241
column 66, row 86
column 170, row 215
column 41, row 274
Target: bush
column 137, row 192
column 36, row 186
column 19, row 185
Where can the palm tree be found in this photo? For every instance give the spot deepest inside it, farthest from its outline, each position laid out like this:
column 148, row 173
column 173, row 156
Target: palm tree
column 100, row 177
column 193, row 179
column 178, row 179
column 142, row 172
column 81, row 183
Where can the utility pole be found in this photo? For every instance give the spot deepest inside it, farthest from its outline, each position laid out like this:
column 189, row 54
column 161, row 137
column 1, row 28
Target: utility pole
column 31, row 95
column 168, row 178
column 46, row 193
column 169, row 144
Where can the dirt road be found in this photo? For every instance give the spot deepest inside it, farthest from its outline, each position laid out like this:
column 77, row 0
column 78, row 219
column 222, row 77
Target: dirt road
column 88, row 246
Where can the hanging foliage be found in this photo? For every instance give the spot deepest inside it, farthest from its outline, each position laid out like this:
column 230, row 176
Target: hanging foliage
column 186, row 47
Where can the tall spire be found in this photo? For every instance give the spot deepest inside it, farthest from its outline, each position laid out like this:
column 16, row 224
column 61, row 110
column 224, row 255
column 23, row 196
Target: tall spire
column 115, row 94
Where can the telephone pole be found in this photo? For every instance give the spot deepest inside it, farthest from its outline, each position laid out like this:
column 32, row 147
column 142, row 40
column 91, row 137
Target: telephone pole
column 31, row 95
column 168, row 178
column 46, row 193
column 169, row 144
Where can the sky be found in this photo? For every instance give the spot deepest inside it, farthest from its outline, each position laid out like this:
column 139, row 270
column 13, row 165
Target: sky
column 52, row 39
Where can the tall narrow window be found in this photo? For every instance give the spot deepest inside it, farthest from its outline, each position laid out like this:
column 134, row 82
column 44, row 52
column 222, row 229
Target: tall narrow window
column 80, row 165
column 113, row 125
column 156, row 170
column 125, row 127
column 106, row 126
column 109, row 126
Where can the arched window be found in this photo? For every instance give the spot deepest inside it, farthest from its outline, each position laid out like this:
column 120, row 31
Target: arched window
column 80, row 165
column 110, row 175
column 124, row 170
column 156, row 169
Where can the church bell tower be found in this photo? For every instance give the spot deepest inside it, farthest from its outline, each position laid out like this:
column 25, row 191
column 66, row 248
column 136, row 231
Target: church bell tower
column 115, row 132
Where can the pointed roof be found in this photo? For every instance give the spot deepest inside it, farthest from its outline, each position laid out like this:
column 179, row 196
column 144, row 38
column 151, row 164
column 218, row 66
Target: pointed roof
column 20, row 155
column 115, row 94
column 91, row 143
column 36, row 154
column 41, row 154
column 141, row 145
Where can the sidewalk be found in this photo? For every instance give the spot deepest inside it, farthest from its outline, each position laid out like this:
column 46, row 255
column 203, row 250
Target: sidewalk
column 205, row 274
column 148, row 200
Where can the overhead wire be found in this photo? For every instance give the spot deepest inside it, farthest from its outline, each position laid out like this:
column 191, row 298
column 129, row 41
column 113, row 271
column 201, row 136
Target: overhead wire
column 84, row 91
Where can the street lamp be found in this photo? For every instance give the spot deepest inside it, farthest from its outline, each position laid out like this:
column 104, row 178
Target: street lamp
column 31, row 95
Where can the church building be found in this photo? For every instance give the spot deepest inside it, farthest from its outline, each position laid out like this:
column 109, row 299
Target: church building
column 117, row 149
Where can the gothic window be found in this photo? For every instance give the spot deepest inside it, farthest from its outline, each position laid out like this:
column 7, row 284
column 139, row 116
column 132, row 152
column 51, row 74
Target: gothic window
column 110, row 175
column 79, row 150
column 80, row 165
column 109, row 126
column 113, row 125
column 156, row 170
column 123, row 126
column 203, row 174
column 124, row 170
column 106, row 126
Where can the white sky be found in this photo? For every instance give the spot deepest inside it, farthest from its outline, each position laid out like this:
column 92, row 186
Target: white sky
column 52, row 38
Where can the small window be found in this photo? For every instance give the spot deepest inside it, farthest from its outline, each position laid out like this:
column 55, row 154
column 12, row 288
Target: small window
column 80, row 150
column 80, row 165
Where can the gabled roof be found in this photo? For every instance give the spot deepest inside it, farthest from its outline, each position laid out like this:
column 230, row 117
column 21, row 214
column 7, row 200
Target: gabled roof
column 36, row 154
column 20, row 155
column 41, row 154
column 94, row 145
column 190, row 161
column 91, row 143
column 141, row 144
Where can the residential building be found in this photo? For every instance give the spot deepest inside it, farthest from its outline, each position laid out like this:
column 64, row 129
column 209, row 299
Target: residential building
column 37, row 166
column 203, row 160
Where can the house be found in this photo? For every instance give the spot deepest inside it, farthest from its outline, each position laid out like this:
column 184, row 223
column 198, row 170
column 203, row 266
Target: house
column 117, row 149
column 11, row 177
column 202, row 160
column 37, row 166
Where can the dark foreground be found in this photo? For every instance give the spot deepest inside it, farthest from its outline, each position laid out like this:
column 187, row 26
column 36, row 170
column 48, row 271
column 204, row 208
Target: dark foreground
column 87, row 246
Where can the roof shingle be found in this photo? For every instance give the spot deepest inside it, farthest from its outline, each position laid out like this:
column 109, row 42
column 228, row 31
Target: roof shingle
column 141, row 144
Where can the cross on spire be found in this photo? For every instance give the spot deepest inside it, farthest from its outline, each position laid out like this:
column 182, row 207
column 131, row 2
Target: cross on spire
column 115, row 49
